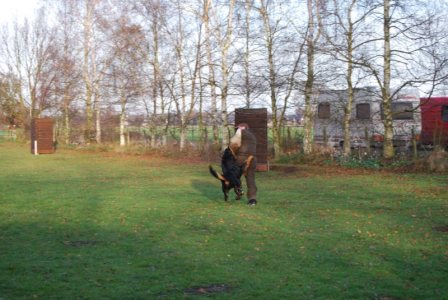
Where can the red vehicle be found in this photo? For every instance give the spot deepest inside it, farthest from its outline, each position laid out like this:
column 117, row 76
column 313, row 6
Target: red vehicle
column 434, row 112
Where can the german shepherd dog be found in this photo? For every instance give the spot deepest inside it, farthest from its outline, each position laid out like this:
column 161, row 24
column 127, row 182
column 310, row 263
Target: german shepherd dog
column 231, row 173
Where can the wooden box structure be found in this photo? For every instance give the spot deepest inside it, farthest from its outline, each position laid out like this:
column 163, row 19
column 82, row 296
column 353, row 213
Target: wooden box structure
column 42, row 141
column 257, row 119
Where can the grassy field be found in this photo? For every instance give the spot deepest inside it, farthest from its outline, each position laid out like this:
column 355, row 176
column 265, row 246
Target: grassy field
column 104, row 226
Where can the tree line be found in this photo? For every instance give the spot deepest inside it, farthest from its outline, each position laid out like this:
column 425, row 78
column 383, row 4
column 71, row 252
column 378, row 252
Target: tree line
column 83, row 59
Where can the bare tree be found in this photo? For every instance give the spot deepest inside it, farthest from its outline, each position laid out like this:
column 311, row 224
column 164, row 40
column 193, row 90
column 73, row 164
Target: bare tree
column 88, row 20
column 224, row 42
column 187, row 70
column 208, row 4
column 385, row 83
column 313, row 35
column 29, row 55
column 194, row 55
column 94, row 17
column 246, row 81
column 126, row 74
column 154, row 13
column 13, row 105
column 12, row 110
column 345, row 36
column 282, row 63
column 404, row 39
column 247, row 30
column 68, row 72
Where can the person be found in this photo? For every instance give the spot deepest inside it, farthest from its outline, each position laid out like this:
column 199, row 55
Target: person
column 244, row 144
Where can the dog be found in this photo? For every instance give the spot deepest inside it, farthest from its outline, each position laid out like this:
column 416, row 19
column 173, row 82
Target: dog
column 231, row 173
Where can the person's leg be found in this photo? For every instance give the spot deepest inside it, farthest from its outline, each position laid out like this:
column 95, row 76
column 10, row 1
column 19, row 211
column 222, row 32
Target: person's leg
column 251, row 185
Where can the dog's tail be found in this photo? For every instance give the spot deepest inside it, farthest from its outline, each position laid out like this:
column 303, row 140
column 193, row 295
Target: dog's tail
column 216, row 174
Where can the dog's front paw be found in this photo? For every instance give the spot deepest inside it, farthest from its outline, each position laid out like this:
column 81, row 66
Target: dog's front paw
column 239, row 192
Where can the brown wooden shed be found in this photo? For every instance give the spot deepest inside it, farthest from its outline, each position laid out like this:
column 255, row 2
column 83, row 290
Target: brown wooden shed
column 42, row 141
column 257, row 119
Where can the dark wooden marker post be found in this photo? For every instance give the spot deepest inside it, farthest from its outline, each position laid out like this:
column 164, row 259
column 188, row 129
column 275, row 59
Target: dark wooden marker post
column 257, row 119
column 42, row 136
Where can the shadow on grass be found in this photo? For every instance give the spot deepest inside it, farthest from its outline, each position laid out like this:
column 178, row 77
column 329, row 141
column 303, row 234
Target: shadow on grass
column 50, row 260
column 208, row 189
column 46, row 261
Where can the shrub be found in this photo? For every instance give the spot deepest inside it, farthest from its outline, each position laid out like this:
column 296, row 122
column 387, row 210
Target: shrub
column 365, row 162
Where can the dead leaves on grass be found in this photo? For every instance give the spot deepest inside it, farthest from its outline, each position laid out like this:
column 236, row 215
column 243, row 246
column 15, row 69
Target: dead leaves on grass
column 205, row 290
column 441, row 228
column 310, row 171
column 80, row 243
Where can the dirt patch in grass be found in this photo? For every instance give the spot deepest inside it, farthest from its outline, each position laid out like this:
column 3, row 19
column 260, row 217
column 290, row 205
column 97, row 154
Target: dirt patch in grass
column 161, row 157
column 205, row 290
column 441, row 228
column 82, row 243
column 158, row 157
column 285, row 169
column 311, row 170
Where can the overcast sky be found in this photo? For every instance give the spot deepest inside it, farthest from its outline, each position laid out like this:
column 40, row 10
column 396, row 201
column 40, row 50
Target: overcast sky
column 9, row 9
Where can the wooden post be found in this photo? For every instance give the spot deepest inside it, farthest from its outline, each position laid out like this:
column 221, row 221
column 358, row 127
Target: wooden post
column 42, row 138
column 257, row 119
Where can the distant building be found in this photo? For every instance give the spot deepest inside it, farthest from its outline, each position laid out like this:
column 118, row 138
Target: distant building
column 366, row 122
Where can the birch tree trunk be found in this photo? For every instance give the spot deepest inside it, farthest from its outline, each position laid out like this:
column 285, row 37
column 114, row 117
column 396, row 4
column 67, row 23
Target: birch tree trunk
column 225, row 70
column 153, row 125
column 97, row 110
column 211, row 72
column 388, row 150
column 87, row 24
column 201, row 127
column 122, row 120
column 281, row 74
column 68, row 71
column 247, row 54
column 185, row 110
column 308, row 114
column 96, row 101
column 66, row 124
column 183, row 117
column 164, row 110
column 156, row 74
column 268, row 35
column 349, row 104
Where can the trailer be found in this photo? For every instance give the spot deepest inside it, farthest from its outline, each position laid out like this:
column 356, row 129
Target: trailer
column 434, row 131
column 366, row 120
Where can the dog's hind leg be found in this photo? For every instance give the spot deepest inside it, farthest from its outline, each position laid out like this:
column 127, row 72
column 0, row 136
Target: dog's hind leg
column 225, row 190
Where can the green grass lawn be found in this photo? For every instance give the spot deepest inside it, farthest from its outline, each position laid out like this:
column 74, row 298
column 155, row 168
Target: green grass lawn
column 104, row 226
